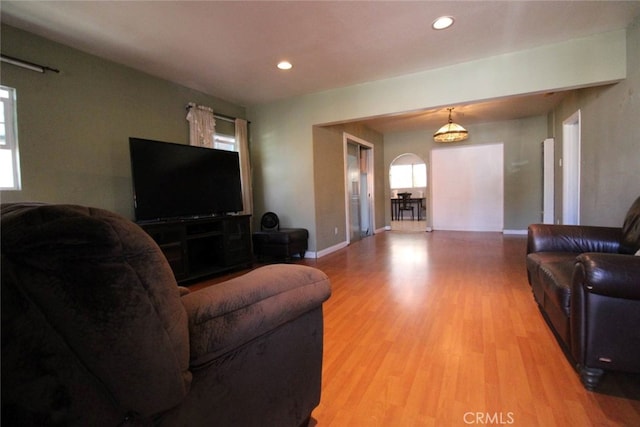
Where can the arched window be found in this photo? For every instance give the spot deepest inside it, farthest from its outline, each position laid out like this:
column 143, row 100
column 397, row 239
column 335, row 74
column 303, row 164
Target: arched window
column 408, row 171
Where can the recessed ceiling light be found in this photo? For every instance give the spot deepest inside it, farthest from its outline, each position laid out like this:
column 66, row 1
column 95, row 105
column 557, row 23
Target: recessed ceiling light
column 442, row 23
column 285, row 65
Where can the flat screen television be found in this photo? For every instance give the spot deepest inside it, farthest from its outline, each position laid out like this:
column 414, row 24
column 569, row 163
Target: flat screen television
column 177, row 181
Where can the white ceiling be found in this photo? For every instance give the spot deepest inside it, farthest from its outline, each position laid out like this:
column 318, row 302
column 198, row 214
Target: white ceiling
column 229, row 49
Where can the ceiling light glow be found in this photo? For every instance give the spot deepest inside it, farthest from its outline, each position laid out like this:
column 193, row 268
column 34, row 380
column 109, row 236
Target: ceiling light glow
column 451, row 132
column 285, row 65
column 442, row 23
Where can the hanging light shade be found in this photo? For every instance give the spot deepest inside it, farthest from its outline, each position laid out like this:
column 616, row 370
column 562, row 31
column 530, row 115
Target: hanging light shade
column 451, row 132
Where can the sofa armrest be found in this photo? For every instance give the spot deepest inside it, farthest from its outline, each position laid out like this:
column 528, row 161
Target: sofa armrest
column 573, row 238
column 613, row 275
column 227, row 315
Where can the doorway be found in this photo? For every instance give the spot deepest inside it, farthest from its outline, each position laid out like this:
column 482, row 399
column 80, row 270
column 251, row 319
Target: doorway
column 408, row 176
column 359, row 201
column 548, row 180
column 571, row 169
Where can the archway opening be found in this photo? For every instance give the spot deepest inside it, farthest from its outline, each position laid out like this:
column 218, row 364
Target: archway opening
column 408, row 182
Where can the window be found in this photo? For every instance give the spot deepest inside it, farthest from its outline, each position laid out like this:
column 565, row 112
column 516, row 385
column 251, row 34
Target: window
column 9, row 159
column 224, row 142
column 408, row 176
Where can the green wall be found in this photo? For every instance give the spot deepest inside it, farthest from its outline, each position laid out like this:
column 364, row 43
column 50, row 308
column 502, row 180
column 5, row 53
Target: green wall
column 283, row 169
column 610, row 143
column 328, row 169
column 282, row 135
column 73, row 127
column 522, row 141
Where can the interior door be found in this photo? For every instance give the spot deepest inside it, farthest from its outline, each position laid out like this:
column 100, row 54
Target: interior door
column 571, row 170
column 355, row 190
column 359, row 188
column 366, row 207
column 548, row 181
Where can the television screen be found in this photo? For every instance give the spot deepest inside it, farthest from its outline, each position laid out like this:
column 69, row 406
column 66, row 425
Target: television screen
column 182, row 181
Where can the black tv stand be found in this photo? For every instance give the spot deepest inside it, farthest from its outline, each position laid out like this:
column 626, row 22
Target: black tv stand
column 201, row 247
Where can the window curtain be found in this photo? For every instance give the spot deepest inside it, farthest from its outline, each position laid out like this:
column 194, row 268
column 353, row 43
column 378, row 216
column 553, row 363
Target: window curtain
column 202, row 125
column 242, row 142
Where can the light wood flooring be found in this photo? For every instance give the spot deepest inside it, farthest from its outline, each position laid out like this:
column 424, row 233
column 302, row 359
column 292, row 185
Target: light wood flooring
column 441, row 329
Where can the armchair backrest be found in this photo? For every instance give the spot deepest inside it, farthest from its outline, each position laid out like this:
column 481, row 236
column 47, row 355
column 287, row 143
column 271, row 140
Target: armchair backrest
column 90, row 300
column 630, row 242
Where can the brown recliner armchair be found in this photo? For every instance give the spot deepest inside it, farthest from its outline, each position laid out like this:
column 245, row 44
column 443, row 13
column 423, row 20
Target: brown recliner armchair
column 96, row 332
column 586, row 281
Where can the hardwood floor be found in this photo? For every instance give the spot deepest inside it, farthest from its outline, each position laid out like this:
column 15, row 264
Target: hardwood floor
column 441, row 329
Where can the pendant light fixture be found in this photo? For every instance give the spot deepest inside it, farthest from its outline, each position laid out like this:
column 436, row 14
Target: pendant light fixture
column 451, row 132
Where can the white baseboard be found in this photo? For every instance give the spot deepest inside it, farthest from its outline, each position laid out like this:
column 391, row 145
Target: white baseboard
column 329, row 250
column 514, row 232
column 341, row 245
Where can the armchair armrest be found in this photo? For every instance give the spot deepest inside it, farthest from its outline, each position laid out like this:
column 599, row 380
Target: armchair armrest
column 613, row 275
column 225, row 316
column 573, row 238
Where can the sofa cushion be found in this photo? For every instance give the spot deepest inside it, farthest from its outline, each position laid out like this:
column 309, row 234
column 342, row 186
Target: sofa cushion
column 630, row 242
column 537, row 259
column 555, row 279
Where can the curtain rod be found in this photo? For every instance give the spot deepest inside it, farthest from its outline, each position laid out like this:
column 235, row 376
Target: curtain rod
column 219, row 116
column 225, row 118
column 26, row 64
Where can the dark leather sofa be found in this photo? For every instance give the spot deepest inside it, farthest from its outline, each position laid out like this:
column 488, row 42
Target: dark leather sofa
column 586, row 281
column 96, row 332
